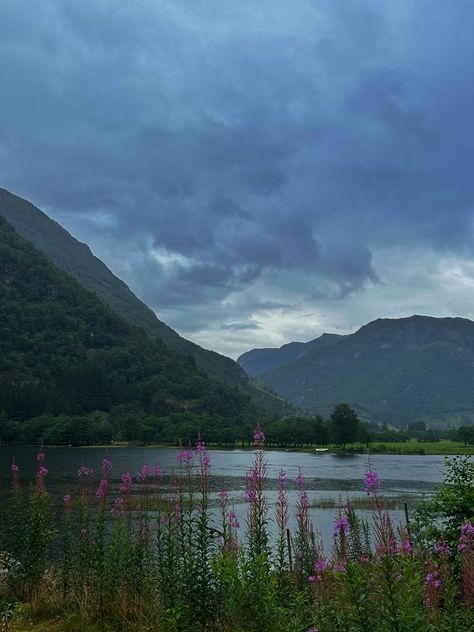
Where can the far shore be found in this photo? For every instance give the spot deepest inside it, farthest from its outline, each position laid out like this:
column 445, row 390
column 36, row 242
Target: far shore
column 412, row 447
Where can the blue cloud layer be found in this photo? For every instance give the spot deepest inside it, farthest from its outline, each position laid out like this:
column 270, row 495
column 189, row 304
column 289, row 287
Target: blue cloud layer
column 233, row 154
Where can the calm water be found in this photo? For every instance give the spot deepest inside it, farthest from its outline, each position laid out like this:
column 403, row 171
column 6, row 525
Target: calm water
column 328, row 476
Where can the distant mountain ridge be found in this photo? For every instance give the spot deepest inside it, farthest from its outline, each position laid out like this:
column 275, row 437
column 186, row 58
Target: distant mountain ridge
column 76, row 259
column 392, row 370
column 259, row 361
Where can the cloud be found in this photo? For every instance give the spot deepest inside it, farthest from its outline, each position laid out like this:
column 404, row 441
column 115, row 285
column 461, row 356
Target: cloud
column 246, row 168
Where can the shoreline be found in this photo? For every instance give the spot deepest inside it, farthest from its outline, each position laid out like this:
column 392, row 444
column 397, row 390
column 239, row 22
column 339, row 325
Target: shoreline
column 409, row 448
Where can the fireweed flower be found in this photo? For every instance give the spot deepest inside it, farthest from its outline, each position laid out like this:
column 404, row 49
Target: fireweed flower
column 466, row 536
column 126, row 485
column 282, row 478
column 184, row 457
column 223, row 496
column 339, row 567
column 84, row 471
column 341, row 525
column 40, row 476
column 67, row 500
column 234, row 523
column 102, row 489
column 14, row 468
column 407, row 547
column 251, row 495
column 442, row 548
column 300, row 482
column 433, row 580
column 372, row 482
column 40, row 456
column 106, row 466
column 145, row 473
column 258, row 437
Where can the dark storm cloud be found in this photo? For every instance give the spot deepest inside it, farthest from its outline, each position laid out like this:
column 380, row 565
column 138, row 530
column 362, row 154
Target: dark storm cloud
column 207, row 148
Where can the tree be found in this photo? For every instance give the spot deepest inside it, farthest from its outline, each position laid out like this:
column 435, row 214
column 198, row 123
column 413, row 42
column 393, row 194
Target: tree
column 466, row 434
column 344, row 425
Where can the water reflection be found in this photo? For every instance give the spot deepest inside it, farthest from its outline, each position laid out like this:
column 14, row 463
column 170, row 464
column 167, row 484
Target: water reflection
column 329, row 477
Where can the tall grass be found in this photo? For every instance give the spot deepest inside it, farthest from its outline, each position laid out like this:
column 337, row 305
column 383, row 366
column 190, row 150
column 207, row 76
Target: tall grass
column 158, row 557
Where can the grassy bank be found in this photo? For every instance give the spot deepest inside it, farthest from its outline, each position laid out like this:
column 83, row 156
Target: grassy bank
column 413, row 446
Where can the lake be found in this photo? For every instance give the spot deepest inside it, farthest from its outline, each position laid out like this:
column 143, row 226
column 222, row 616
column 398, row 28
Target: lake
column 330, row 478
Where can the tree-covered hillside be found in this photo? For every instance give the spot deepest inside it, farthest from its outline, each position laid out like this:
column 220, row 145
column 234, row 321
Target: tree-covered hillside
column 64, row 352
column 76, row 259
column 392, row 370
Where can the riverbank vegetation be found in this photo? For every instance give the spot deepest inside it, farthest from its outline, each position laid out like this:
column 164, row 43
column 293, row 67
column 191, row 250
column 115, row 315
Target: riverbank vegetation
column 164, row 554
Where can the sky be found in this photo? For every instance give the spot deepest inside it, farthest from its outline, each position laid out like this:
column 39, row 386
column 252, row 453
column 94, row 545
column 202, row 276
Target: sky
column 256, row 172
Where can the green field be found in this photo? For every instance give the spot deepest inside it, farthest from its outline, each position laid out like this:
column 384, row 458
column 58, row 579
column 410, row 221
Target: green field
column 414, row 446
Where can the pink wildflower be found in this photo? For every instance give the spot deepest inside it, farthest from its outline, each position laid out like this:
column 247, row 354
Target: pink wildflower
column 372, row 482
column 442, row 548
column 300, row 482
column 341, row 525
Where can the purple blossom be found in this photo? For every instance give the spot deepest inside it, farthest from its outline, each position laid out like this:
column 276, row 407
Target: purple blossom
column 282, row 478
column 102, row 489
column 466, row 536
column 467, row 529
column 341, row 525
column 84, row 472
column 339, row 567
column 157, row 471
column 321, row 565
column 432, row 580
column 407, row 547
column 251, row 496
column 106, row 465
column 184, row 457
column 144, row 473
column 259, row 436
column 372, row 482
column 200, row 446
column 234, row 523
column 304, row 500
column 300, row 482
column 312, row 579
column 40, row 456
column 126, row 485
column 14, row 468
column 223, row 496
column 42, row 472
column 67, row 500
column 442, row 548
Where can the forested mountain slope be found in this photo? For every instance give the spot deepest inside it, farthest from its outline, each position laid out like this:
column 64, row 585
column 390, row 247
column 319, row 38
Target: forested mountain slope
column 76, row 259
column 394, row 370
column 62, row 351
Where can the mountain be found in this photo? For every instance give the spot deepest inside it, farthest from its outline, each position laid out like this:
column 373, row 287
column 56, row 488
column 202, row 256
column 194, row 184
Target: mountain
column 258, row 361
column 64, row 352
column 76, row 259
column 390, row 370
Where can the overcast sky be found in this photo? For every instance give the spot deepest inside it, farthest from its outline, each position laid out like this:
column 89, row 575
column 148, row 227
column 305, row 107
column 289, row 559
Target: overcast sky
column 256, row 171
